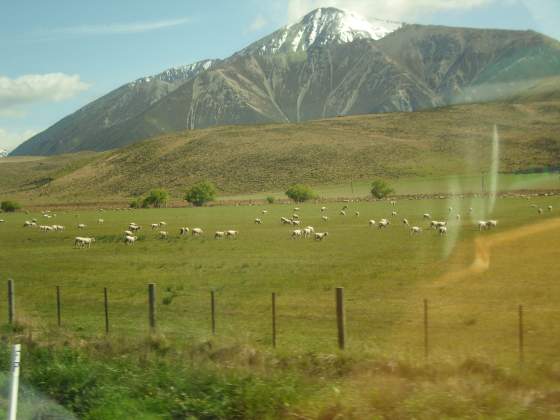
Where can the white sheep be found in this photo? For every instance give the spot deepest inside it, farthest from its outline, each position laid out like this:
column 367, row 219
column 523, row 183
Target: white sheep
column 491, row 224
column 297, row 233
column 357, row 214
column 325, row 218
column 128, row 233
column 308, row 231
column 219, row 234
column 393, row 203
column 81, row 226
column 264, row 211
column 549, row 208
column 342, row 213
column 393, row 213
column 161, row 224
column 232, row 234
column 100, row 221
column 458, row 217
column 427, row 216
column 296, row 222
column 405, row 222
column 482, row 225
column 442, row 230
column 383, row 223
column 323, row 209
column 415, row 230
column 371, row 223
column 296, row 208
column 27, row 223
column 155, row 226
column 258, row 221
column 134, row 228
column 184, row 231
column 130, row 239
column 295, row 216
column 540, row 211
column 197, row 232
column 82, row 242
column 319, row 236
column 162, row 234
column 285, row 221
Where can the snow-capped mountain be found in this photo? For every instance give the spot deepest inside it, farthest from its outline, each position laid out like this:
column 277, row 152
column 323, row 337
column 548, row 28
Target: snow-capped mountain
column 3, row 153
column 324, row 26
column 178, row 74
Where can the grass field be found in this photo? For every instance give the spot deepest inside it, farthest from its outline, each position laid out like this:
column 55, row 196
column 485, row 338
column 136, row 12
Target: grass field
column 474, row 282
column 386, row 274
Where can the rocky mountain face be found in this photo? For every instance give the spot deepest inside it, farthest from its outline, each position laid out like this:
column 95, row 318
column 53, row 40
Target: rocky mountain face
column 330, row 63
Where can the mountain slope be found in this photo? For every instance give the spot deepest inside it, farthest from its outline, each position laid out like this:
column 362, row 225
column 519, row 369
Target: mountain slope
column 242, row 159
column 340, row 65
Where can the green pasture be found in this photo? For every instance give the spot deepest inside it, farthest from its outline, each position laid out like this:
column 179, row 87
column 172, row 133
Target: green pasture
column 386, row 275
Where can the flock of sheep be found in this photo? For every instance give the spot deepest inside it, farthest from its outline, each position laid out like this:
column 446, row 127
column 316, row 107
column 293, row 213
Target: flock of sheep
column 130, row 237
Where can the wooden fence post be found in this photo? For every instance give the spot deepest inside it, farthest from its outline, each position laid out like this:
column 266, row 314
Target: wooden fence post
column 340, row 317
column 58, row 314
column 273, row 319
column 426, row 348
column 152, row 305
column 106, row 306
column 213, row 310
column 521, row 338
column 11, row 302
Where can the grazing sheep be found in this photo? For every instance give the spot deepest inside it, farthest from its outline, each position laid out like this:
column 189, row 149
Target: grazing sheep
column 458, row 217
column 319, row 236
column 162, row 234
column 295, row 216
column 264, row 211
column 81, row 242
column 415, row 230
column 184, row 231
column 371, row 223
column 342, row 213
column 308, row 231
column 383, row 223
column 393, row 213
column 325, row 218
column 482, row 225
column 549, row 208
column 100, row 221
column 442, row 230
column 134, row 227
column 296, row 222
column 357, row 214
column 540, row 211
column 450, row 209
column 232, row 234
column 258, row 221
column 58, row 228
column 161, row 224
column 323, row 209
column 491, row 224
column 427, row 216
column 393, row 203
column 34, row 220
column 155, row 226
column 405, row 222
column 285, row 221
column 27, row 223
column 81, row 226
column 197, row 232
column 298, row 233
column 219, row 234
column 345, row 207
column 311, row 228
column 435, row 224
column 130, row 239
column 296, row 208
column 128, row 233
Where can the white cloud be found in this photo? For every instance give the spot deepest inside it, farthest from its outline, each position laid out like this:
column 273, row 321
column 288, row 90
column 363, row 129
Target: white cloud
column 382, row 9
column 121, row 28
column 32, row 88
column 258, row 23
column 9, row 140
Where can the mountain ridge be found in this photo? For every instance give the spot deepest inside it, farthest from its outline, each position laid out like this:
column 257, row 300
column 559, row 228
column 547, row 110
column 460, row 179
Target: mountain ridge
column 409, row 68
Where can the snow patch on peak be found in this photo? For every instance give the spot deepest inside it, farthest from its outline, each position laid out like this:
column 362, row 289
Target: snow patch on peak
column 177, row 74
column 320, row 27
column 3, row 153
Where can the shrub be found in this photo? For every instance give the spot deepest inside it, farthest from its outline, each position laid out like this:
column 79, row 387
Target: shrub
column 201, row 193
column 300, row 193
column 136, row 203
column 9, row 206
column 380, row 189
column 156, row 198
column 270, row 199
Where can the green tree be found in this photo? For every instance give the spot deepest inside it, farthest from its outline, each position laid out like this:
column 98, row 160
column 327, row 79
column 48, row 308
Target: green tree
column 270, row 199
column 380, row 189
column 201, row 193
column 300, row 193
column 9, row 206
column 156, row 198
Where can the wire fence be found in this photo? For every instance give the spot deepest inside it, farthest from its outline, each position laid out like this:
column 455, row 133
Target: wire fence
column 430, row 327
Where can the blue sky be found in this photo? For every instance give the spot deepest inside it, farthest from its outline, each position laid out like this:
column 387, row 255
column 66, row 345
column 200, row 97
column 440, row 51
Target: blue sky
column 59, row 55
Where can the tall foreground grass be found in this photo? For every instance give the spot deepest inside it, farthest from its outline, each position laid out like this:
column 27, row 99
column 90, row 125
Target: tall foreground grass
column 155, row 378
